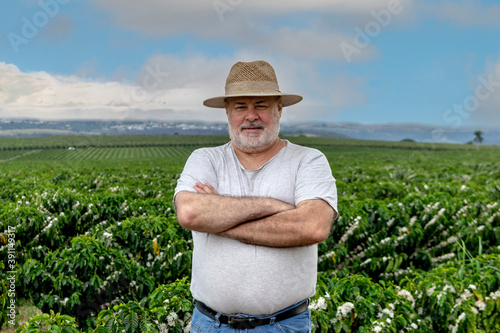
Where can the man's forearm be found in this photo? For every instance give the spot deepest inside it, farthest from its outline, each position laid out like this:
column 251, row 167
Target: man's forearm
column 308, row 224
column 213, row 213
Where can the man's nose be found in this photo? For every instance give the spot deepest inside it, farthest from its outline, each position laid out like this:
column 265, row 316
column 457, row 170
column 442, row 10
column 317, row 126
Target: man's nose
column 252, row 114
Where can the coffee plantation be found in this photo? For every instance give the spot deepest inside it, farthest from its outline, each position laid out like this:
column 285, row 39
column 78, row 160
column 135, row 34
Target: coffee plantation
column 97, row 247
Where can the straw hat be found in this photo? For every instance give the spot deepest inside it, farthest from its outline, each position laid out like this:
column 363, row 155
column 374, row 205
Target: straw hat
column 256, row 78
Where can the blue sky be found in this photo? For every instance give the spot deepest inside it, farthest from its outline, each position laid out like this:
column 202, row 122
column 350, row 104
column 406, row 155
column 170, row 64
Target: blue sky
column 367, row 61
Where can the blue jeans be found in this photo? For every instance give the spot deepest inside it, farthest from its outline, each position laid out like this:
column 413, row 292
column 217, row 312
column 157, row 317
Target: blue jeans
column 300, row 323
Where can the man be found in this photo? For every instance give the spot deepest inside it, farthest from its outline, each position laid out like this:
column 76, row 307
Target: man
column 257, row 207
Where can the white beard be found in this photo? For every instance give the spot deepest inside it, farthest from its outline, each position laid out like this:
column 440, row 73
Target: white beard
column 251, row 143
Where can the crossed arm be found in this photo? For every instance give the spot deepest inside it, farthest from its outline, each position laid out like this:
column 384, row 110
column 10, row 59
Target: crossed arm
column 259, row 221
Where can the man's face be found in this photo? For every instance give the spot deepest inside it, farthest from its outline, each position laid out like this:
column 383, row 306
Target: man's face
column 253, row 122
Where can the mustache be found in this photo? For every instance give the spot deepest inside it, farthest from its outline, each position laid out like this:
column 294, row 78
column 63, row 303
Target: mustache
column 252, row 124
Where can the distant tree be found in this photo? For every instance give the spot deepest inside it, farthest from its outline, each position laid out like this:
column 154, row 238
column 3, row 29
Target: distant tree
column 478, row 137
column 407, row 140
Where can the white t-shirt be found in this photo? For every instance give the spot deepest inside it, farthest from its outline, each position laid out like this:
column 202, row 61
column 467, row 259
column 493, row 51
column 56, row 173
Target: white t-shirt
column 233, row 277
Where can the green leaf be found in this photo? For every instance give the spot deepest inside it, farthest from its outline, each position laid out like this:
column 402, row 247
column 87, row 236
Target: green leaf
column 390, row 265
column 110, row 324
column 135, row 322
column 101, row 329
column 126, row 322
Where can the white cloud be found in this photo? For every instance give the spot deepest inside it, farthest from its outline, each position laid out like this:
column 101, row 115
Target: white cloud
column 480, row 108
column 327, row 97
column 309, row 44
column 348, row 92
column 163, row 18
column 41, row 89
column 300, row 5
column 169, row 87
column 486, row 109
column 279, row 26
column 46, row 96
column 59, row 28
column 464, row 12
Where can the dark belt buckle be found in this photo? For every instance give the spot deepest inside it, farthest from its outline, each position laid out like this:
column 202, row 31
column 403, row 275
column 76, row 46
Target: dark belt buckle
column 238, row 322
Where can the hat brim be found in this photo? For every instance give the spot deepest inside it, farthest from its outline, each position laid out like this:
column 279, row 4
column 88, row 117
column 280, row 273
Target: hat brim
column 218, row 102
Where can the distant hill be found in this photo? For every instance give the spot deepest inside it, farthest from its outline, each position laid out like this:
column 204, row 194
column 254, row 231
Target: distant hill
column 396, row 132
column 12, row 128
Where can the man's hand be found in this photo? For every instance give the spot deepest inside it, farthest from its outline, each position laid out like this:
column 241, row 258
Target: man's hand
column 205, row 188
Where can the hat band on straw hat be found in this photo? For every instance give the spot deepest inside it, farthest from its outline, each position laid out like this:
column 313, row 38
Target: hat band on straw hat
column 252, row 87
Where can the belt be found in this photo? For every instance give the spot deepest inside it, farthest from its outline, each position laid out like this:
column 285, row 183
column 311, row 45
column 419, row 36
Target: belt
column 244, row 322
